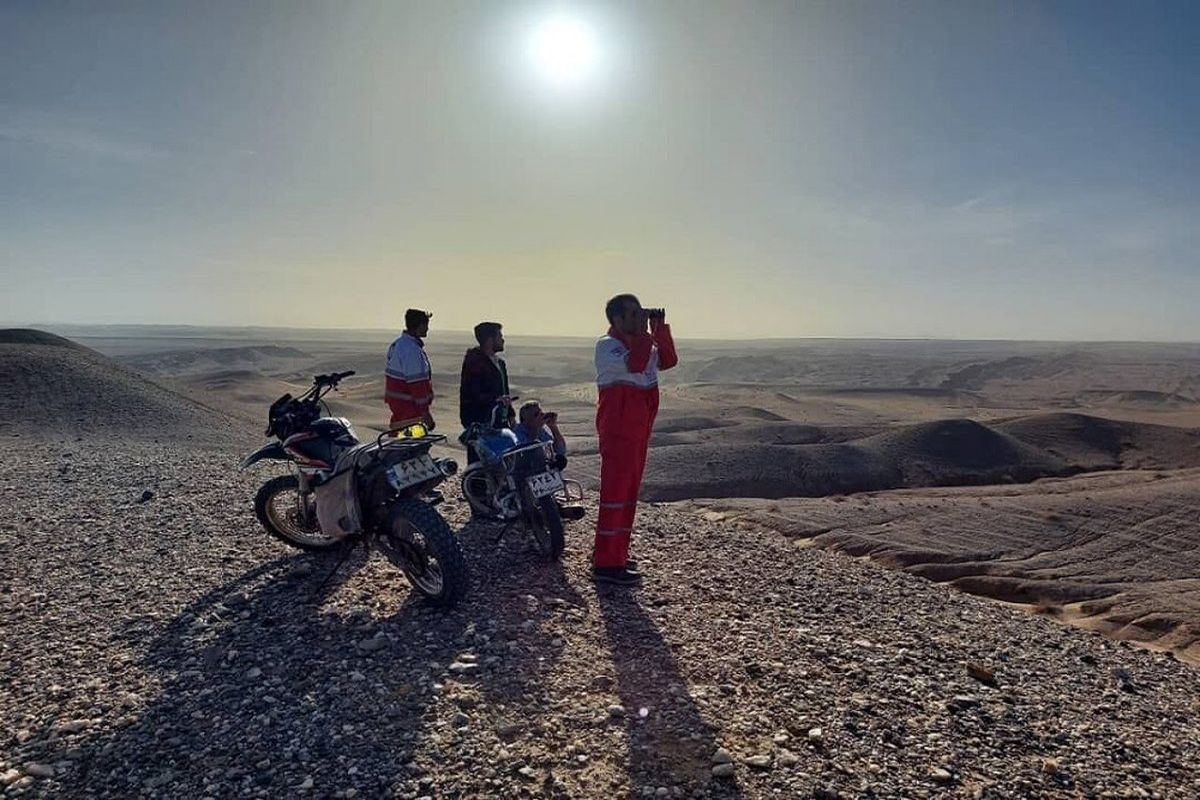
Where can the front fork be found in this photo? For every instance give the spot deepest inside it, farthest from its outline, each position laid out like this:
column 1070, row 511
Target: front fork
column 305, row 478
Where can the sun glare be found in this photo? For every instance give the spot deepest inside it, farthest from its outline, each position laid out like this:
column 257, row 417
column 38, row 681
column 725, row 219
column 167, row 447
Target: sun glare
column 564, row 52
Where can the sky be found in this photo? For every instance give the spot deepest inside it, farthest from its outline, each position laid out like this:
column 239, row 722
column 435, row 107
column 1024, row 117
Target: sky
column 956, row 169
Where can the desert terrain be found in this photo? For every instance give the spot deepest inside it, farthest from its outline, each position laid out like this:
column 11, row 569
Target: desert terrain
column 875, row 569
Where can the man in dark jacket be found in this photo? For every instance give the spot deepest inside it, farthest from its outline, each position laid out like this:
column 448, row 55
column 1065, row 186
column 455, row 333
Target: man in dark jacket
column 484, row 376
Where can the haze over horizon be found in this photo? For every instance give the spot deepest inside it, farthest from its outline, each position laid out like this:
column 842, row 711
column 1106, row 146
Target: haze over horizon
column 183, row 329
column 926, row 170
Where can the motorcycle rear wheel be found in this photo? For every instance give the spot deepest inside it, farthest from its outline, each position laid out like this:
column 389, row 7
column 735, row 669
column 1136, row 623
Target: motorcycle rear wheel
column 291, row 516
column 420, row 542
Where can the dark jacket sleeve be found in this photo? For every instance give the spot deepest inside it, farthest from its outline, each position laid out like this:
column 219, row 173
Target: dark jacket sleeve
column 473, row 388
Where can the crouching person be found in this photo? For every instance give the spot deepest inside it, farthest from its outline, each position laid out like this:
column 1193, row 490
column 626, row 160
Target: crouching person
column 536, row 425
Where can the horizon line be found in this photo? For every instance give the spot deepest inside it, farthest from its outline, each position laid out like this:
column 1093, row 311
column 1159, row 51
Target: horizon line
column 391, row 331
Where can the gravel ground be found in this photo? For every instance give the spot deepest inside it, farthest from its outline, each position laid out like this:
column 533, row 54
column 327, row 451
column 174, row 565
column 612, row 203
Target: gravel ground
column 165, row 646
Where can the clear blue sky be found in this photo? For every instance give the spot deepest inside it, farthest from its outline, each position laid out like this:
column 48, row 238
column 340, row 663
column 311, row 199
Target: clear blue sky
column 952, row 169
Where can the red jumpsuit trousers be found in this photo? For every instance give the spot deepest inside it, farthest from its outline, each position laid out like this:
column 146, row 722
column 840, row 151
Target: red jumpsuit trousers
column 624, row 421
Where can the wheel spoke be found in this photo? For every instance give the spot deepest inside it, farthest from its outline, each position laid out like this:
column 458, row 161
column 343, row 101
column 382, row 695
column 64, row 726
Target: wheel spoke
column 294, row 518
column 426, row 577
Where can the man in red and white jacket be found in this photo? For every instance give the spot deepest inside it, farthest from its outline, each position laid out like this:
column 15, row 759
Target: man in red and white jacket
column 409, row 391
column 628, row 358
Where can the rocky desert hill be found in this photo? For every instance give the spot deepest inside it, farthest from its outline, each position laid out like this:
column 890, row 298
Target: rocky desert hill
column 749, row 457
column 54, row 384
column 156, row 642
column 1115, row 552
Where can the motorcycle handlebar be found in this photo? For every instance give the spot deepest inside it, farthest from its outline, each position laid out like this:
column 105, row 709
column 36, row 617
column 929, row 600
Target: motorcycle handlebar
column 332, row 379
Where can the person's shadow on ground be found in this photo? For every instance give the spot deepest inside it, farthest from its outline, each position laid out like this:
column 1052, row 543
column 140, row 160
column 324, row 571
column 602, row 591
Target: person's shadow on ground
column 289, row 680
column 669, row 742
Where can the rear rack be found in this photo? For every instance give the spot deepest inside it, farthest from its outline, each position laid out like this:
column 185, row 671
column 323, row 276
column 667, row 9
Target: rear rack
column 390, row 439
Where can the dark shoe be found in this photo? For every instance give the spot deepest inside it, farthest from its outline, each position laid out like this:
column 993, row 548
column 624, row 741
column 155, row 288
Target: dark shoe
column 631, row 565
column 618, row 576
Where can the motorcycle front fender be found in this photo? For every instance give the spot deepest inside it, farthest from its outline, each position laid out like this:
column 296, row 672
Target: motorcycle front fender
column 273, row 451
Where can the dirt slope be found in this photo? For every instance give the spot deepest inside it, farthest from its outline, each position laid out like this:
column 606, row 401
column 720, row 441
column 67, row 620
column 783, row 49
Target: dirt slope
column 53, row 384
column 1115, row 552
column 1096, row 443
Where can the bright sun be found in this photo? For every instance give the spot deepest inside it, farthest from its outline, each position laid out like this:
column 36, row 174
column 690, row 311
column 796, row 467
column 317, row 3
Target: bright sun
column 564, row 52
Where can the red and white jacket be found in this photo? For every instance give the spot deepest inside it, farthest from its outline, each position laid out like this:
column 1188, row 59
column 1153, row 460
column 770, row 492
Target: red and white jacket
column 409, row 391
column 627, row 375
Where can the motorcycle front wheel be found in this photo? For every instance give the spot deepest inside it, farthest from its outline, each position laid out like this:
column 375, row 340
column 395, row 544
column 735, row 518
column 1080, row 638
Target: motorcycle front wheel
column 291, row 516
column 546, row 525
column 423, row 546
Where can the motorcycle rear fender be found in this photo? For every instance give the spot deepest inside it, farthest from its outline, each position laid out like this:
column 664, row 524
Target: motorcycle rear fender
column 273, row 451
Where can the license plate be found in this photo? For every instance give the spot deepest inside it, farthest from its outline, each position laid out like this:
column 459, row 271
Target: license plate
column 415, row 470
column 545, row 483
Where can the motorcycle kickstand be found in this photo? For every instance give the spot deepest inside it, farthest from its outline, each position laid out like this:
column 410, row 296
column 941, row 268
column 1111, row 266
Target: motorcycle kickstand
column 503, row 532
column 361, row 541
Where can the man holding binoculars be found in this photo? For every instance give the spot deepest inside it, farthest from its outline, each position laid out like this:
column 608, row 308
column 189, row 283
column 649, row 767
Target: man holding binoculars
column 628, row 358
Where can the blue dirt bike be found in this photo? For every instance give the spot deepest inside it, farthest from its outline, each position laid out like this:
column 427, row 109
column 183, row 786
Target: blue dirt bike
column 521, row 486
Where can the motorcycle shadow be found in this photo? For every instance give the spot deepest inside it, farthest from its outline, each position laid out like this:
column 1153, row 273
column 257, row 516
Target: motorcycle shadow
column 287, row 678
